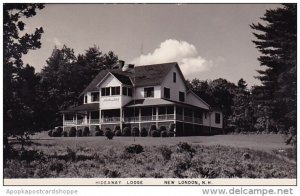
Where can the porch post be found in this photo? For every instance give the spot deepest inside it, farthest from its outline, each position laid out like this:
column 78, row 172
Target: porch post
column 100, row 118
column 63, row 121
column 89, row 117
column 156, row 124
column 174, row 120
column 76, row 120
column 174, row 113
column 140, row 118
column 121, row 116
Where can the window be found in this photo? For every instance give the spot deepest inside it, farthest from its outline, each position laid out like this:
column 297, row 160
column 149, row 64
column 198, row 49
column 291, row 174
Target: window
column 167, row 93
column 127, row 91
column 105, row 91
column 149, row 92
column 85, row 99
column 95, row 96
column 115, row 90
column 174, row 77
column 124, row 90
column 181, row 96
column 218, row 118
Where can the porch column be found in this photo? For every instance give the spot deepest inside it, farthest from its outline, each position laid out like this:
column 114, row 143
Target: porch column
column 175, row 120
column 89, row 118
column 121, row 118
column 86, row 117
column 76, row 120
column 63, row 122
column 174, row 113
column 140, row 114
column 156, row 124
column 100, row 118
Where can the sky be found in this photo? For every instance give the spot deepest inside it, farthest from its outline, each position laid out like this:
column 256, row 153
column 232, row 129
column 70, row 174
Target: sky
column 209, row 41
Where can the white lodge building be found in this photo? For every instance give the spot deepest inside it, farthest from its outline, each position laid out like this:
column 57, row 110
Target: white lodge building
column 143, row 96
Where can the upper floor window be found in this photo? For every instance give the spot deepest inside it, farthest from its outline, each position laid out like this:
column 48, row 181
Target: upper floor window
column 95, row 96
column 85, row 99
column 167, row 93
column 217, row 118
column 115, row 90
column 181, row 96
column 149, row 92
column 105, row 91
column 174, row 77
column 127, row 91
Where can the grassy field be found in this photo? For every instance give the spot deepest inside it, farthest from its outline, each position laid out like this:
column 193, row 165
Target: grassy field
column 222, row 156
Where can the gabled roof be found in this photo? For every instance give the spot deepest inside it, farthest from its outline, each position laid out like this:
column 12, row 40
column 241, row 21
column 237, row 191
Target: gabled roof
column 146, row 75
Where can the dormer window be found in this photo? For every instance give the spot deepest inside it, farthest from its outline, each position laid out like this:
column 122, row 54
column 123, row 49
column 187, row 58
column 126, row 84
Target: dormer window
column 174, row 77
column 149, row 92
column 115, row 90
column 85, row 99
column 105, row 91
column 95, row 96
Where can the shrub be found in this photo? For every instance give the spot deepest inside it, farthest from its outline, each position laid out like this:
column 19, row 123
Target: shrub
column 109, row 134
column 126, row 131
column 185, row 147
column 98, row 131
column 135, row 131
column 117, row 131
column 86, row 131
column 143, row 132
column 162, row 128
column 171, row 133
column 134, row 149
column 79, row 133
column 166, row 152
column 56, row 133
column 59, row 130
column 154, row 133
column 65, row 133
column 151, row 129
column 50, row 133
column 72, row 132
column 164, row 134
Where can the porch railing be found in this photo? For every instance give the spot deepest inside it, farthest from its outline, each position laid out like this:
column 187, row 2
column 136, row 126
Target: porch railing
column 135, row 119
column 110, row 119
column 94, row 121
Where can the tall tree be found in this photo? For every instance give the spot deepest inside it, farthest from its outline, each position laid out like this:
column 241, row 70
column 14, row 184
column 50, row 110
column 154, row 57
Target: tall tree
column 17, row 111
column 59, row 84
column 219, row 93
column 277, row 41
column 242, row 113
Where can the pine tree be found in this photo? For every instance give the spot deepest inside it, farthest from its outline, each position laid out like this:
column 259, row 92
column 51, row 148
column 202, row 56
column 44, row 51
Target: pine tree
column 277, row 41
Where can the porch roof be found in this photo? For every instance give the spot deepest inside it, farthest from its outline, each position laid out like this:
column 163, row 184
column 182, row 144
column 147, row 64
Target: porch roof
column 83, row 107
column 156, row 102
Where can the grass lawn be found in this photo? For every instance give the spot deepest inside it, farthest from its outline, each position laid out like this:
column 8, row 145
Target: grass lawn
column 222, row 156
column 263, row 142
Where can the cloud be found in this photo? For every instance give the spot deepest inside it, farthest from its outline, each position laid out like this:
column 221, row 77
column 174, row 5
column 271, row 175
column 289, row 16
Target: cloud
column 182, row 52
